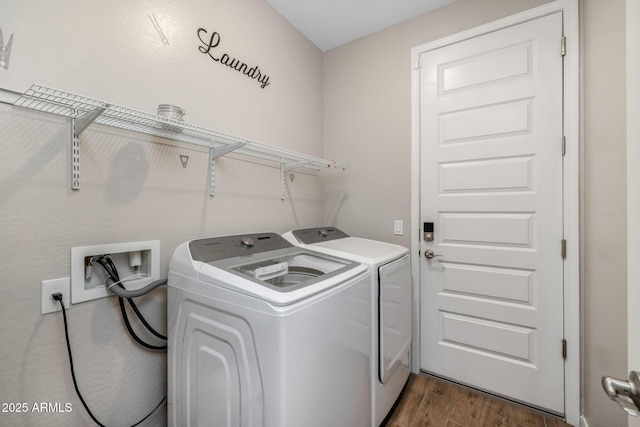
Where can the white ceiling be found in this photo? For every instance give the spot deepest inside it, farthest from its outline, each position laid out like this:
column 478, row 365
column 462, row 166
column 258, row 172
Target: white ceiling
column 332, row 23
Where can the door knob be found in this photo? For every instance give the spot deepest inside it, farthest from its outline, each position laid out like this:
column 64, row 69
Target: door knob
column 626, row 393
column 428, row 254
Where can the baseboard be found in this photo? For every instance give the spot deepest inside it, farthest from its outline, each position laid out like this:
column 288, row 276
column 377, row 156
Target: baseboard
column 583, row 421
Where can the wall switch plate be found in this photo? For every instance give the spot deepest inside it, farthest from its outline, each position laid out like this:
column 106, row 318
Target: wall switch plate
column 398, row 227
column 49, row 287
column 88, row 282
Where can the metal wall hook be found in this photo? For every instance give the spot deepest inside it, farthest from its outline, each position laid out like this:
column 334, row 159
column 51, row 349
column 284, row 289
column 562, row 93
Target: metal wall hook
column 158, row 28
column 5, row 51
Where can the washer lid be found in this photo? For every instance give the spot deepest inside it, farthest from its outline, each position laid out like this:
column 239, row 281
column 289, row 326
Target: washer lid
column 265, row 265
column 300, row 282
column 287, row 270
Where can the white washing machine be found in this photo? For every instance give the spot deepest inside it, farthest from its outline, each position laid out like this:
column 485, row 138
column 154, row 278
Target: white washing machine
column 391, row 306
column 262, row 333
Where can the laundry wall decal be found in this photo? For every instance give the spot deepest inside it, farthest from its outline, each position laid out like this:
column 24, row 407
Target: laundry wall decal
column 211, row 41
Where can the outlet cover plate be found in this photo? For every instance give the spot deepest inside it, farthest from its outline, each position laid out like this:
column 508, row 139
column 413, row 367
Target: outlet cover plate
column 49, row 287
column 398, row 227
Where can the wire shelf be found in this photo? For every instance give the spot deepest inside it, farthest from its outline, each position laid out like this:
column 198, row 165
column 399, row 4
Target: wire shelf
column 62, row 103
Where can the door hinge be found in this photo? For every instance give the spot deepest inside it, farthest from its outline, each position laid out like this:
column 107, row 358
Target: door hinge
column 564, row 349
column 564, row 248
column 563, row 46
column 564, row 145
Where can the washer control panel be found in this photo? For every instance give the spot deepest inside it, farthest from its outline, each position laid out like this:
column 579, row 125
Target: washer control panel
column 217, row 248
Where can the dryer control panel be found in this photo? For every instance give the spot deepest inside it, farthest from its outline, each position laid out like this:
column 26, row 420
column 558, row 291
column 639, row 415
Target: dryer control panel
column 320, row 234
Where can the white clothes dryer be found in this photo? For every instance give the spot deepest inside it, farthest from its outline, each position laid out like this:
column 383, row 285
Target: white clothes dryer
column 391, row 307
column 262, row 333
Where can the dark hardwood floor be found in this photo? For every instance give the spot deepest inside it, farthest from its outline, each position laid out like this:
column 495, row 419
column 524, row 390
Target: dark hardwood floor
column 427, row 401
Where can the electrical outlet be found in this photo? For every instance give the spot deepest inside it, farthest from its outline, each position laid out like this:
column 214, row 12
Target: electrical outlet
column 138, row 264
column 50, row 287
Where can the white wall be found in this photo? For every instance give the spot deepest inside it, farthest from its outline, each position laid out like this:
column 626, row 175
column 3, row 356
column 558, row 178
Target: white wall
column 132, row 188
column 367, row 120
column 633, row 190
column 604, row 233
column 367, row 116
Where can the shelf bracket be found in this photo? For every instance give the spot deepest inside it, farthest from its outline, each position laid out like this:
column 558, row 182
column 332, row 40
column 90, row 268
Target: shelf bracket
column 214, row 153
column 286, row 167
column 84, row 121
column 78, row 125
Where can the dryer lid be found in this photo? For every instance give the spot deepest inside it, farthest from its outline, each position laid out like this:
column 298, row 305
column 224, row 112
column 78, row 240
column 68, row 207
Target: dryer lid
column 363, row 250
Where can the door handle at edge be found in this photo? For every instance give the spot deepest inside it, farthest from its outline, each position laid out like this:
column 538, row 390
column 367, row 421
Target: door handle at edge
column 428, row 254
column 626, row 393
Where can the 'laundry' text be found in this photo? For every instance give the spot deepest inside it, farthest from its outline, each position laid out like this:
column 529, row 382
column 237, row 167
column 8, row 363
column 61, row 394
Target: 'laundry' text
column 213, row 42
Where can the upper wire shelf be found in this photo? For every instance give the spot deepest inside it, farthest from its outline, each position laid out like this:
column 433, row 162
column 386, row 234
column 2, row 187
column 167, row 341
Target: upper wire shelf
column 83, row 111
column 59, row 102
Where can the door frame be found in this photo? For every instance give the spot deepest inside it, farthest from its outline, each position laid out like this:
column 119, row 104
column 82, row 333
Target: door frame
column 571, row 175
column 633, row 191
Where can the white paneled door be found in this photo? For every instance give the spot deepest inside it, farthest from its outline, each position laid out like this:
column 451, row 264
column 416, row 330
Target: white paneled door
column 491, row 142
